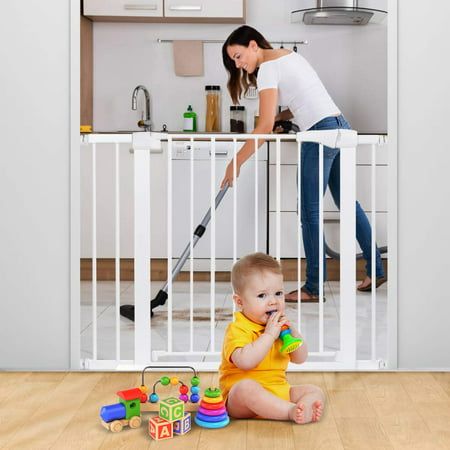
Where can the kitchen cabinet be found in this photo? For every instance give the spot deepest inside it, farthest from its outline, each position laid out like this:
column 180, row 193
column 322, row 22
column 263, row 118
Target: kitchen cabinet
column 207, row 11
column 288, row 205
column 181, row 228
column 204, row 8
column 96, row 9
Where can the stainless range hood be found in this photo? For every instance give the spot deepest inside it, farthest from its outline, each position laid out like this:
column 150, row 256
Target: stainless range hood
column 338, row 12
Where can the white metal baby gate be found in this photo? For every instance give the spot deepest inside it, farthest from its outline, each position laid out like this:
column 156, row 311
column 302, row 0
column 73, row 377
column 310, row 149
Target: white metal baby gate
column 143, row 143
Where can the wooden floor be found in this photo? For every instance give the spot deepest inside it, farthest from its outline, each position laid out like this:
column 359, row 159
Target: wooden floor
column 363, row 411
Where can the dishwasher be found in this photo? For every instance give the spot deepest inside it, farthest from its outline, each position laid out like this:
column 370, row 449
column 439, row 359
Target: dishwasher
column 245, row 203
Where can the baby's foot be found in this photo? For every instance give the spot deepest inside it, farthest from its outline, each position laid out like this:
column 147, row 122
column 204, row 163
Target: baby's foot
column 297, row 413
column 317, row 409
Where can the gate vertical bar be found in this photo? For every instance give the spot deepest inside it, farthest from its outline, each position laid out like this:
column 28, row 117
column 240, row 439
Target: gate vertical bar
column 299, row 235
column 142, row 323
column 191, row 251
column 321, row 255
column 234, row 209
column 169, row 244
column 117, row 248
column 278, row 200
column 256, row 195
column 373, row 257
column 348, row 261
column 213, row 243
column 94, row 252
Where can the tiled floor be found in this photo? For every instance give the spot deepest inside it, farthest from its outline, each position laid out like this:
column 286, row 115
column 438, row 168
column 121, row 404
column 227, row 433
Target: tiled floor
column 223, row 315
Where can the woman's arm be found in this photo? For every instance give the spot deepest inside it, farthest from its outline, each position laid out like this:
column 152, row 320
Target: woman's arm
column 268, row 99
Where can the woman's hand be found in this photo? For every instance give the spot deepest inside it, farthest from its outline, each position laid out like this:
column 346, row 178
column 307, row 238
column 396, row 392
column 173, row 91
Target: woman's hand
column 229, row 174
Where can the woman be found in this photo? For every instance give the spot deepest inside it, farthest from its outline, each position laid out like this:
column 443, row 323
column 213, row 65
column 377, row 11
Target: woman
column 286, row 78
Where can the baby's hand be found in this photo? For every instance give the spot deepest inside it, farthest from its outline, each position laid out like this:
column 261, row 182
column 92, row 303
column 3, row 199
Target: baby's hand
column 274, row 324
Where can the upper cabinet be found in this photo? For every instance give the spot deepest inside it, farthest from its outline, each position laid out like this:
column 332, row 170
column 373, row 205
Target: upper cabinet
column 231, row 9
column 96, row 9
column 208, row 11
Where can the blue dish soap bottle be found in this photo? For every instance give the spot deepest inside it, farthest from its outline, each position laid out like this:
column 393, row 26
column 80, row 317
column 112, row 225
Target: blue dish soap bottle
column 190, row 120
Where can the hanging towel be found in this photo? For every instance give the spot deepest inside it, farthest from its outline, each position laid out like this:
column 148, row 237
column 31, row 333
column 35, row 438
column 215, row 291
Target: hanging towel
column 188, row 58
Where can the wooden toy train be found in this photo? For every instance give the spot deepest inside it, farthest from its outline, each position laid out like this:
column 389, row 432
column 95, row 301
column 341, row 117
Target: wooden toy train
column 125, row 413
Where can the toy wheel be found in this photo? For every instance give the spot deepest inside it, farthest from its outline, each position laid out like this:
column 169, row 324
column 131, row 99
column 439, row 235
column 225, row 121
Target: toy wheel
column 116, row 426
column 135, row 422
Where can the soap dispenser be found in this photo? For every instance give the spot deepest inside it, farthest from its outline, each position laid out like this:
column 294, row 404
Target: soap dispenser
column 190, row 120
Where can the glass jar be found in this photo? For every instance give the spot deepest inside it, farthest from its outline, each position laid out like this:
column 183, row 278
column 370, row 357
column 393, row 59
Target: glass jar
column 237, row 119
column 212, row 119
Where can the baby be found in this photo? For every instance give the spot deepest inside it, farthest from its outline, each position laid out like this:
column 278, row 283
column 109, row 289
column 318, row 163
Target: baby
column 253, row 370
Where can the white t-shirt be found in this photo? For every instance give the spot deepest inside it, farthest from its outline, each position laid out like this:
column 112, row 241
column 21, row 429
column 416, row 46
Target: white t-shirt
column 299, row 88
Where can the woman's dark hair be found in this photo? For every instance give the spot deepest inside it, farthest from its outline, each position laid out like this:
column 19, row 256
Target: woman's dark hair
column 239, row 80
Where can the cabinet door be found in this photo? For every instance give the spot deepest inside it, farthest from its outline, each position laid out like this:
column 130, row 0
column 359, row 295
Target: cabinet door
column 123, row 8
column 245, row 209
column 105, row 190
column 289, row 233
column 288, row 185
column 204, row 8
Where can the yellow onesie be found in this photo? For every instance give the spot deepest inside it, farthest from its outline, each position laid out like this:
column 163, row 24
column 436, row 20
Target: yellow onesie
column 270, row 372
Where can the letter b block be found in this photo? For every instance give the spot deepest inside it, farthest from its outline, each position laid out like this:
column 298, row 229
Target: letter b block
column 183, row 425
column 160, row 429
column 171, row 409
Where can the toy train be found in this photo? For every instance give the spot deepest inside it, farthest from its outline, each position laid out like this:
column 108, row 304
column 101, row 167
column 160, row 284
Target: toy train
column 125, row 413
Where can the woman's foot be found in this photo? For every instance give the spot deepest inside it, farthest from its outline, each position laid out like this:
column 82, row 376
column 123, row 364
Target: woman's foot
column 306, row 297
column 317, row 410
column 366, row 284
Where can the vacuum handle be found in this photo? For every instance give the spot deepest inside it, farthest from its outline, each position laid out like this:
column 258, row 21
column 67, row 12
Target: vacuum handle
column 197, row 234
column 219, row 198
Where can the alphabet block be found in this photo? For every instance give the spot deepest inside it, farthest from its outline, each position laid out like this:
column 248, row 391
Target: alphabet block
column 171, row 409
column 160, row 429
column 183, row 425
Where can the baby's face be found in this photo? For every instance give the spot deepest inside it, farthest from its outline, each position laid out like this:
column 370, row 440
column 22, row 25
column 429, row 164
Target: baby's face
column 263, row 294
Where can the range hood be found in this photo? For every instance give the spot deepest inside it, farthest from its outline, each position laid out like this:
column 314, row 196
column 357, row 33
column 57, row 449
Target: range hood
column 338, row 12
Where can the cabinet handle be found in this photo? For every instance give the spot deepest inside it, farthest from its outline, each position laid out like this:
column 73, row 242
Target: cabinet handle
column 185, row 8
column 137, row 7
column 219, row 152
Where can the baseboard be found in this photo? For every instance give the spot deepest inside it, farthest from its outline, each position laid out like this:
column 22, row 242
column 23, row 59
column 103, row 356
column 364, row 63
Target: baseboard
column 106, row 268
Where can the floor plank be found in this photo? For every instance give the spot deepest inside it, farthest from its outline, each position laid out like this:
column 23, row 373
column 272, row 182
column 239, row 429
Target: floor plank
column 43, row 426
column 84, row 430
column 362, row 433
column 55, row 410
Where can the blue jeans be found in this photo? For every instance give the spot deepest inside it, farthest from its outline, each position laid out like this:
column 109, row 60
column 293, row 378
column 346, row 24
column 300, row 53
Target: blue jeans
column 310, row 204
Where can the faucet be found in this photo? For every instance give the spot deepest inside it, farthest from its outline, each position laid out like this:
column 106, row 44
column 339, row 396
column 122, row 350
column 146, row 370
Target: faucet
column 144, row 123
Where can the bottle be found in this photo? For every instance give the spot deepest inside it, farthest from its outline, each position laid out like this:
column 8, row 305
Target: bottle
column 256, row 119
column 212, row 121
column 237, row 119
column 190, row 120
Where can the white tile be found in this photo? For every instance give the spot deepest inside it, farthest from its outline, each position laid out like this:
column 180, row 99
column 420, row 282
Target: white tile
column 364, row 320
column 106, row 291
column 223, row 316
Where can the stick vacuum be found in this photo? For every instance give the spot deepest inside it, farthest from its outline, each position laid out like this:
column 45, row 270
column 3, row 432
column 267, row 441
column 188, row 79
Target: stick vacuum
column 161, row 297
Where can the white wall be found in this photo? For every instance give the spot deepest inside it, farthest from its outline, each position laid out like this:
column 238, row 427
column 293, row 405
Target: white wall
column 423, row 185
column 34, row 185
column 352, row 62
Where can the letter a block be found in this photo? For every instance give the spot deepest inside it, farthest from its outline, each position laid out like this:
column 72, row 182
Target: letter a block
column 171, row 409
column 160, row 429
column 183, row 425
